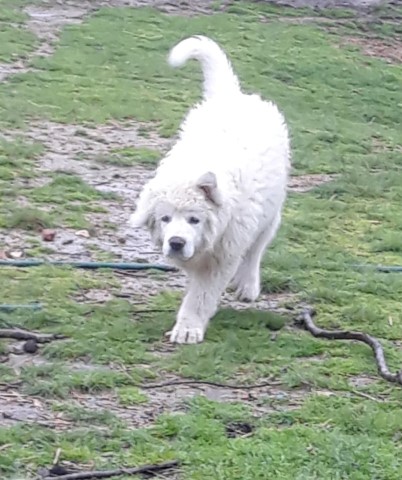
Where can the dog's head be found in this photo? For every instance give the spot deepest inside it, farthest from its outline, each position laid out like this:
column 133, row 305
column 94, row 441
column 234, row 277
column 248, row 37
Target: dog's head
column 182, row 219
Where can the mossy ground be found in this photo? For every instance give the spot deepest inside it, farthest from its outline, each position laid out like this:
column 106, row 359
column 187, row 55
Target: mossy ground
column 330, row 417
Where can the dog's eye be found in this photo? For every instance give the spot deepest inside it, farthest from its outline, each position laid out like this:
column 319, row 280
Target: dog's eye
column 166, row 219
column 193, row 220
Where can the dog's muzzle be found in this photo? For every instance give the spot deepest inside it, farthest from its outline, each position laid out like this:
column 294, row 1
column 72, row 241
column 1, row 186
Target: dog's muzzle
column 177, row 244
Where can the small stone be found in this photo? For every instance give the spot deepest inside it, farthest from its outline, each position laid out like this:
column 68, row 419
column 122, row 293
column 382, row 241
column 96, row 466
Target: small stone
column 68, row 241
column 83, row 233
column 43, row 472
column 59, row 470
column 48, row 235
column 16, row 254
column 30, row 346
column 239, row 429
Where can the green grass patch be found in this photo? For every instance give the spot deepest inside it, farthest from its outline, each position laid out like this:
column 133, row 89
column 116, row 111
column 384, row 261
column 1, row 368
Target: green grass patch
column 29, row 219
column 127, row 157
column 131, row 396
column 85, row 417
column 67, row 198
column 67, row 188
column 56, row 380
column 15, row 41
column 17, row 159
column 13, row 15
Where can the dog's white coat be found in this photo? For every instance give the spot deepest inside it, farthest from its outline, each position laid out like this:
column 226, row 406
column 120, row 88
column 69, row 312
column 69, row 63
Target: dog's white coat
column 228, row 171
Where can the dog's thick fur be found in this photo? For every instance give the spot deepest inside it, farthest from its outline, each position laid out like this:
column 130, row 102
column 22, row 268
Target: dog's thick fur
column 215, row 202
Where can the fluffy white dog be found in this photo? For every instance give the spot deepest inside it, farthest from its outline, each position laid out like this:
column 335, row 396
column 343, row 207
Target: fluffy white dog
column 215, row 202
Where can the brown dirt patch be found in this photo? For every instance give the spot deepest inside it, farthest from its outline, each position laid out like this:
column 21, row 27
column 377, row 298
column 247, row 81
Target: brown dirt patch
column 53, row 413
column 387, row 49
column 63, row 145
column 361, row 381
column 304, row 183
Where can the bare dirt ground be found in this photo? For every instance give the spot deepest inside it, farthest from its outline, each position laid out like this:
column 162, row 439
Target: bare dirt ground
column 169, row 399
column 391, row 51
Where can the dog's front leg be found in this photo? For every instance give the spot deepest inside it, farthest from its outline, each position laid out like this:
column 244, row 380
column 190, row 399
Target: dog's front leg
column 200, row 304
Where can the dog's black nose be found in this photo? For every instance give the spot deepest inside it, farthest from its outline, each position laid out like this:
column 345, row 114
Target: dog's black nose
column 177, row 243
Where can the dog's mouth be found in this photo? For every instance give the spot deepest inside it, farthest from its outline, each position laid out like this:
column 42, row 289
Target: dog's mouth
column 181, row 256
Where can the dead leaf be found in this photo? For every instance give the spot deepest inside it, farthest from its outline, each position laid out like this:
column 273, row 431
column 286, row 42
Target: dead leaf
column 325, row 393
column 83, row 233
column 48, row 235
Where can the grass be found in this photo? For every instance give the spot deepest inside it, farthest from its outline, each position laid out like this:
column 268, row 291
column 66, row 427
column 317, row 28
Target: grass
column 67, row 188
column 131, row 396
column 16, row 160
column 29, row 219
column 331, row 417
column 15, row 43
column 63, row 201
column 127, row 157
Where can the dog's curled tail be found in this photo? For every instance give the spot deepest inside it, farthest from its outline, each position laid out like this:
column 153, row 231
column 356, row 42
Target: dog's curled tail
column 219, row 78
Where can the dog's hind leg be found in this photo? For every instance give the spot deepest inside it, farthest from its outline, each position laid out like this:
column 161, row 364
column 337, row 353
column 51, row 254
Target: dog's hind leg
column 246, row 282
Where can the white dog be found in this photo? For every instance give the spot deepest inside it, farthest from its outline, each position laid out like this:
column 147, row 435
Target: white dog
column 215, row 202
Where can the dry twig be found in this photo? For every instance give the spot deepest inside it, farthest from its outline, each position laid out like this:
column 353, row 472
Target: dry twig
column 305, row 319
column 174, row 383
column 57, row 456
column 20, row 334
column 148, row 469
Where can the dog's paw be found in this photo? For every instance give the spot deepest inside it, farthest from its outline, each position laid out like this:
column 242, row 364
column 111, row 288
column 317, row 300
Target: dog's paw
column 248, row 292
column 186, row 334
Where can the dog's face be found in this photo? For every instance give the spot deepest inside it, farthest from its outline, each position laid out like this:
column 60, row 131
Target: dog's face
column 181, row 222
column 181, row 232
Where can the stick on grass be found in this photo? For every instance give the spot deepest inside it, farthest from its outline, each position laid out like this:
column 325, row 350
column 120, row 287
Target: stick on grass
column 305, row 319
column 19, row 334
column 148, row 469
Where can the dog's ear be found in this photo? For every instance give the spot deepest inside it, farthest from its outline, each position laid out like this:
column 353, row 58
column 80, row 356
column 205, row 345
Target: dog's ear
column 208, row 184
column 138, row 219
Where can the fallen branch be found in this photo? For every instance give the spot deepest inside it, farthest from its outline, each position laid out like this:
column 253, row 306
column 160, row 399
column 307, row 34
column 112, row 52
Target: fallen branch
column 19, row 334
column 174, row 383
column 148, row 469
column 4, row 387
column 305, row 320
